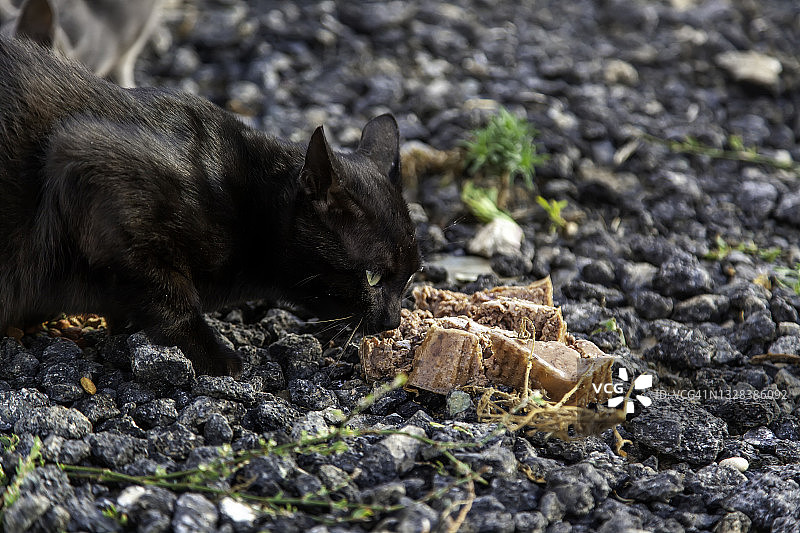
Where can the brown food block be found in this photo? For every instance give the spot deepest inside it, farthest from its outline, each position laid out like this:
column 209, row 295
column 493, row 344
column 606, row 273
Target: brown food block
column 441, row 302
column 446, row 359
column 555, row 368
column 504, row 307
column 509, row 314
column 391, row 353
column 382, row 358
column 448, row 303
column 539, row 292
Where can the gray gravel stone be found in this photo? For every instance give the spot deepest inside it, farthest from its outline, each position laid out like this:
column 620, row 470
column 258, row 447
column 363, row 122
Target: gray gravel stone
column 197, row 413
column 533, row 522
column 600, row 271
column 18, row 366
column 66, row 451
column 403, row 448
column 733, row 522
column 268, row 475
column 158, row 364
column 680, row 346
column 148, row 508
column 308, row 394
column 766, row 498
column 788, row 209
column 745, row 409
column 786, row 344
column 715, row 482
column 416, row 516
column 98, row 407
column 551, row 507
column 115, row 450
column 498, row 460
column 224, row 387
column 158, row 413
column 16, row 404
column 59, row 420
column 516, row 494
column 488, row 514
column 701, row 308
column 651, row 305
column 635, row 276
column 680, row 430
column 194, row 513
column 458, row 402
column 217, row 431
column 580, row 488
column 757, row 329
column 175, row 441
column 757, row 198
column 300, row 356
column 272, row 413
column 22, row 514
column 241, row 515
column 682, row 276
column 661, row 487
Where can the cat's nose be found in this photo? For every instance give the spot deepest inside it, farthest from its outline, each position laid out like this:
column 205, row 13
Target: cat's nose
column 385, row 322
column 389, row 323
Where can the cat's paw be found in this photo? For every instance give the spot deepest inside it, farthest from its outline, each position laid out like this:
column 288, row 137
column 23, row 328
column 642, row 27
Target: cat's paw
column 228, row 366
column 224, row 363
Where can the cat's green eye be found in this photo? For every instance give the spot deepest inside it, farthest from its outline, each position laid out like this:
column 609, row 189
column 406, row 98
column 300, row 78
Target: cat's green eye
column 373, row 278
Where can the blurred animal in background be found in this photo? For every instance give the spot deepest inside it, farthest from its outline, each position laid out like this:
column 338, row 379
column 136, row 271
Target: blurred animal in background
column 105, row 35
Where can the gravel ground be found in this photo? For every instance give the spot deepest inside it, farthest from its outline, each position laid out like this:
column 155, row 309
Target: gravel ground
column 718, row 448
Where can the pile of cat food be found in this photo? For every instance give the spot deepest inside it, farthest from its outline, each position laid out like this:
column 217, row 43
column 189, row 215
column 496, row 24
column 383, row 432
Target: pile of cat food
column 453, row 340
column 71, row 327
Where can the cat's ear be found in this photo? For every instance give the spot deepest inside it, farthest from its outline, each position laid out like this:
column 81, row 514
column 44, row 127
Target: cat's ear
column 318, row 175
column 37, row 21
column 380, row 141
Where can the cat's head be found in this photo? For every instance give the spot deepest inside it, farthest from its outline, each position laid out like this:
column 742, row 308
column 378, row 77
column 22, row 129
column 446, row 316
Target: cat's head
column 353, row 236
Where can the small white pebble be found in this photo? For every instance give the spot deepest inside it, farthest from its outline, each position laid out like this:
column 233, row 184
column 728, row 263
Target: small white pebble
column 236, row 512
column 739, row 463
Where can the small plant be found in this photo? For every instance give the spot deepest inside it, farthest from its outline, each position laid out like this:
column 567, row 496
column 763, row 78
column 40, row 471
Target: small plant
column 9, row 442
column 737, row 151
column 482, row 203
column 611, row 325
column 789, row 277
column 723, row 249
column 115, row 514
column 504, row 149
column 25, row 466
column 553, row 209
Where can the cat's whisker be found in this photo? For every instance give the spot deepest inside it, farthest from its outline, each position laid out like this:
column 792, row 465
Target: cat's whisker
column 306, row 280
column 330, row 323
column 330, row 327
column 353, row 333
column 454, row 223
column 341, row 330
column 329, row 320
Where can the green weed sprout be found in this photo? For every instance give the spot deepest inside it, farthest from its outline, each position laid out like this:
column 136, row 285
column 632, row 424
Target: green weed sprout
column 504, row 149
column 723, row 248
column 482, row 203
column 553, row 209
column 611, row 325
column 789, row 277
column 25, row 466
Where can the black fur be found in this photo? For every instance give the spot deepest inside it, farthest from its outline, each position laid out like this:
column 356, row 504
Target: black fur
column 151, row 207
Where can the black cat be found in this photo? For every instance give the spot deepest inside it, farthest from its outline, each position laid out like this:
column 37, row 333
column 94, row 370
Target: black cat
column 150, row 207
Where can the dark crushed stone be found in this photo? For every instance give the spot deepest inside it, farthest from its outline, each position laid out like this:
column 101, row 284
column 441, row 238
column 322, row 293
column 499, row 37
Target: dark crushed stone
column 644, row 227
column 679, row 430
